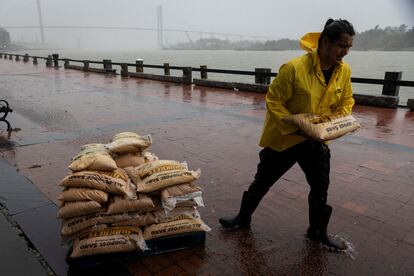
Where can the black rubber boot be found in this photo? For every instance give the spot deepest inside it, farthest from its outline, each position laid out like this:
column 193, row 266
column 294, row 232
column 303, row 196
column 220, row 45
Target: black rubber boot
column 318, row 225
column 244, row 217
column 230, row 222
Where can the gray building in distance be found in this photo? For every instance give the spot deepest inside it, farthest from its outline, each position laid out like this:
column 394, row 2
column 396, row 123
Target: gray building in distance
column 4, row 38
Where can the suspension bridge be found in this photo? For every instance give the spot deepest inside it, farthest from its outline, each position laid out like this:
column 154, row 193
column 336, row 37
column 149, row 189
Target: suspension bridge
column 159, row 29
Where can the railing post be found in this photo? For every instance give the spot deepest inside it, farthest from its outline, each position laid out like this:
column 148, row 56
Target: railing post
column 107, row 64
column 203, row 71
column 139, row 63
column 66, row 63
column 34, row 60
column 26, row 58
column 86, row 65
column 10, row 57
column 17, row 58
column 166, row 69
column 391, row 89
column 124, row 70
column 187, row 75
column 410, row 104
column 261, row 77
column 1, row 56
column 55, row 60
column 49, row 61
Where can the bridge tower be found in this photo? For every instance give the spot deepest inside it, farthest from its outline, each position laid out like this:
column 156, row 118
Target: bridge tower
column 39, row 12
column 160, row 37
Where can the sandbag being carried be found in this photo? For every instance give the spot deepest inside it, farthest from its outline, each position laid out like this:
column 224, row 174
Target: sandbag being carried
column 109, row 240
column 174, row 227
column 129, row 142
column 323, row 128
column 79, row 194
column 93, row 157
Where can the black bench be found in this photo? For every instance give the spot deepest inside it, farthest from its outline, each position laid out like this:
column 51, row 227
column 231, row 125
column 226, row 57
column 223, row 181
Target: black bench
column 4, row 110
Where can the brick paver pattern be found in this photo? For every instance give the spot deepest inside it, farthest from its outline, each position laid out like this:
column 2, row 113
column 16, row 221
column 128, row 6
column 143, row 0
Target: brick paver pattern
column 56, row 111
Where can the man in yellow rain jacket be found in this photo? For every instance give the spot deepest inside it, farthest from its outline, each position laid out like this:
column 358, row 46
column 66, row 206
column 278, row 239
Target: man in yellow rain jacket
column 317, row 83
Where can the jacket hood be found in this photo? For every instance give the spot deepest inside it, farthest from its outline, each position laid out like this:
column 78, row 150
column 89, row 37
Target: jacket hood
column 309, row 42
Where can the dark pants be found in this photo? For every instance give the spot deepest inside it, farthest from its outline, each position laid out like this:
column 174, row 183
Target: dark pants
column 314, row 160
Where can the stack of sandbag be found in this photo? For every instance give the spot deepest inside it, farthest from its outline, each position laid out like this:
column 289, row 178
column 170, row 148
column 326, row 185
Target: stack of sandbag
column 173, row 184
column 130, row 149
column 109, row 209
column 88, row 194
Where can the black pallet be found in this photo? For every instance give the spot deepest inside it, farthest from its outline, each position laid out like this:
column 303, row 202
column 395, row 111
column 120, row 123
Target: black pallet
column 156, row 246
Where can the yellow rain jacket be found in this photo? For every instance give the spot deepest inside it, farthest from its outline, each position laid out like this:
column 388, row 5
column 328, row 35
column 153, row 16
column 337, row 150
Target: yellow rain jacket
column 300, row 87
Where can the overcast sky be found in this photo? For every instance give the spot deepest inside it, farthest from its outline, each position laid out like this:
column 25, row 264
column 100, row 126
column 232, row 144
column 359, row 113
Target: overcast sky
column 270, row 18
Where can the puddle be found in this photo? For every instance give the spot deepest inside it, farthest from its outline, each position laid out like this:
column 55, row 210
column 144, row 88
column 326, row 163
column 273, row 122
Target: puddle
column 349, row 251
column 5, row 143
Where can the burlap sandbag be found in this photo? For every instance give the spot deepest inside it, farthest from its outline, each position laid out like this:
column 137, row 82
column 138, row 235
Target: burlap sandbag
column 121, row 204
column 133, row 159
column 161, row 180
column 138, row 220
column 188, row 203
column 174, row 227
column 118, row 173
column 129, row 142
column 176, row 214
column 157, row 166
column 109, row 240
column 129, row 159
column 323, row 128
column 94, row 180
column 179, row 190
column 78, row 208
column 73, row 225
column 150, row 156
column 70, row 237
column 93, row 157
column 79, row 194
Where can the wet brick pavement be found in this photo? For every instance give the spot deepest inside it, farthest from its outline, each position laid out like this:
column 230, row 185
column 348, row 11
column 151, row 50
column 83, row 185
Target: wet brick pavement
column 372, row 191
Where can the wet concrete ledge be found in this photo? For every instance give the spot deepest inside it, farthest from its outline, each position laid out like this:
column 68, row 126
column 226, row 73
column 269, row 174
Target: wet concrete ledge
column 35, row 214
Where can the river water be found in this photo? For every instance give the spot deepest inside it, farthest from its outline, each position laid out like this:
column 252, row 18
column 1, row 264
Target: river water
column 364, row 64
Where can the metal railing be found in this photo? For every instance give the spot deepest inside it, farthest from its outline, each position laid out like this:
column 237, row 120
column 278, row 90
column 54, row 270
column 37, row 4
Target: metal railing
column 391, row 82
